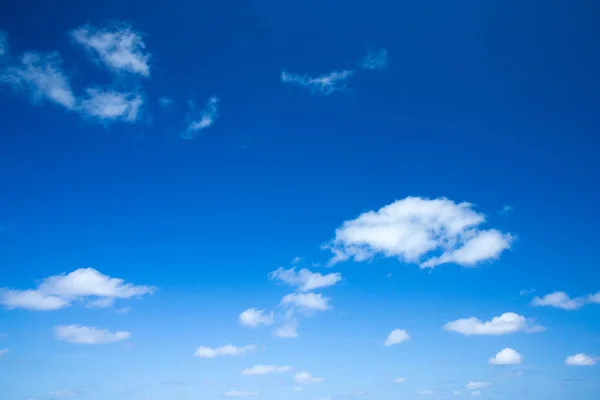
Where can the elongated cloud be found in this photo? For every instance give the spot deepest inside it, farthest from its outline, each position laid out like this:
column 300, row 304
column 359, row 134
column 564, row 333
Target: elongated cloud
column 118, row 47
column 504, row 324
column 261, row 369
column 88, row 335
column 558, row 300
column 580, row 360
column 42, row 77
column 304, row 279
column 415, row 230
column 227, row 350
column 323, row 84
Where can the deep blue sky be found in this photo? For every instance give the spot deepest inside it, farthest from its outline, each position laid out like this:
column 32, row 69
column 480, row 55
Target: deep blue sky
column 493, row 103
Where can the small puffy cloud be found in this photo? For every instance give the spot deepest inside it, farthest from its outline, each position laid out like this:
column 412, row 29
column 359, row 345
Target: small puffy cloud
column 396, row 336
column 63, row 393
column 204, row 120
column 240, row 393
column 31, row 300
column 227, row 350
column 253, row 317
column 427, row 392
column 3, row 43
column 375, row 60
column 558, row 300
column 41, row 75
column 477, row 385
column 304, row 279
column 400, row 380
column 504, row 324
column 428, row 232
column 261, row 369
column 594, row 298
column 306, row 301
column 87, row 335
column 3, row 352
column 581, row 360
column 119, row 48
column 323, row 84
column 110, row 105
column 297, row 260
column 306, row 377
column 507, row 356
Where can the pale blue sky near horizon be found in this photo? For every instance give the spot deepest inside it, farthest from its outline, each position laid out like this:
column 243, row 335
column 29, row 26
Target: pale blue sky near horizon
column 427, row 167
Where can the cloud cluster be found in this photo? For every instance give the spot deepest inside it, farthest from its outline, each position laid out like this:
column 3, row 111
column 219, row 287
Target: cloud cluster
column 87, row 335
column 84, row 284
column 504, row 324
column 414, row 229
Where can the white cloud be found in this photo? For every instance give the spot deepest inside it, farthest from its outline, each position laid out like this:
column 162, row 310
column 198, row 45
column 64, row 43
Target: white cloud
column 306, row 377
column 506, row 323
column 427, row 392
column 324, row 84
column 206, row 118
column 594, row 298
column 110, row 105
column 476, row 393
column 304, row 279
column 581, row 360
column 227, row 350
column 31, row 300
column 42, row 76
column 558, row 300
column 63, row 393
column 507, row 356
column 306, row 301
column 396, row 336
column 506, row 209
column 288, row 330
column 101, row 302
column 240, row 393
column 375, row 60
column 261, row 369
column 297, row 260
column 119, row 48
column 87, row 335
column 3, row 352
column 400, row 380
column 3, row 43
column 415, row 229
column 477, row 385
column 253, row 317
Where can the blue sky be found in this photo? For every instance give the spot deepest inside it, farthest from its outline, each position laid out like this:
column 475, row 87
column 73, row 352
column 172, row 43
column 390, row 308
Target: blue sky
column 329, row 200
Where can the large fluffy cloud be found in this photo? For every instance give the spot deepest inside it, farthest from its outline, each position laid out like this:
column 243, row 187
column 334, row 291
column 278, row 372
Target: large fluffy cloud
column 427, row 232
column 59, row 291
column 506, row 323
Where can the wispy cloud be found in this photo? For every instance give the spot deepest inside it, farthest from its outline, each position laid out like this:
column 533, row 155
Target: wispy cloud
column 87, row 335
column 3, row 352
column 206, row 118
column 375, row 60
column 118, row 47
column 304, row 279
column 306, row 377
column 227, row 350
column 261, row 369
column 165, row 101
column 559, row 300
column 110, row 105
column 3, row 43
column 63, row 393
column 41, row 75
column 323, row 84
